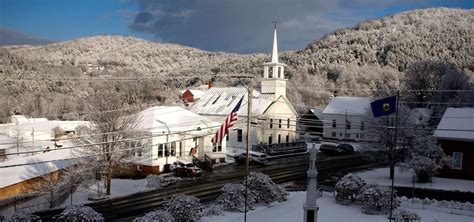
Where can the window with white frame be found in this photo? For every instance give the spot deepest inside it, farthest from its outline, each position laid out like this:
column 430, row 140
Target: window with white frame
column 457, row 160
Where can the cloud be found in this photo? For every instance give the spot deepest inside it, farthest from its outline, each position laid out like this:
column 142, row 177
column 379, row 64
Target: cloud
column 10, row 36
column 245, row 26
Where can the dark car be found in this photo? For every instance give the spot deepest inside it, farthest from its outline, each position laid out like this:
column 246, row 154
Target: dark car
column 333, row 150
column 345, row 148
column 186, row 169
column 328, row 149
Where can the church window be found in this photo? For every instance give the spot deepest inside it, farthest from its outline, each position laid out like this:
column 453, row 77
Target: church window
column 270, row 139
column 288, row 123
column 279, row 123
column 279, row 138
column 288, row 138
column 239, row 135
column 270, row 72
column 271, row 123
column 279, row 72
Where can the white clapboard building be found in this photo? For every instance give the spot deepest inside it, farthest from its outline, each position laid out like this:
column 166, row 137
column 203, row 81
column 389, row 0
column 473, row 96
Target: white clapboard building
column 273, row 117
column 342, row 118
column 173, row 133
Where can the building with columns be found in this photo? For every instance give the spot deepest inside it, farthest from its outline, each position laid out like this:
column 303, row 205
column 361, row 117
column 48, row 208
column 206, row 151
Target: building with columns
column 273, row 117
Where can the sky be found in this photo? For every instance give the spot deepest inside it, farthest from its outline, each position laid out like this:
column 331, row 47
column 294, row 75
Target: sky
column 241, row 26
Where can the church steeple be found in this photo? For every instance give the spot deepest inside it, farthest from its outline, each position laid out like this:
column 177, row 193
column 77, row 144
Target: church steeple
column 275, row 44
column 274, row 81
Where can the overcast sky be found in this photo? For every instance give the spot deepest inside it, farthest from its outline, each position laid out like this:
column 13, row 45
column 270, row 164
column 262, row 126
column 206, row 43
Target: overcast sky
column 243, row 26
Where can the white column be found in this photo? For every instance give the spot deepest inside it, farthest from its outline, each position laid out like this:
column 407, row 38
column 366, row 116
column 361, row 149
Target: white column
column 311, row 207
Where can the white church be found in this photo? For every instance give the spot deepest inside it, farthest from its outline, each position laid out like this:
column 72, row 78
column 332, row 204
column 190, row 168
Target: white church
column 273, row 117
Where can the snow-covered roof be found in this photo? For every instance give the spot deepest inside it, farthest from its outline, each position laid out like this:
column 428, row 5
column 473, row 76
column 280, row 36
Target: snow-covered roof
column 36, row 165
column 221, row 101
column 351, row 105
column 456, row 124
column 172, row 119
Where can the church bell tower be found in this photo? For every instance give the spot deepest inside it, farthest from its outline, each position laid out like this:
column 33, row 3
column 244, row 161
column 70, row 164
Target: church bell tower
column 274, row 81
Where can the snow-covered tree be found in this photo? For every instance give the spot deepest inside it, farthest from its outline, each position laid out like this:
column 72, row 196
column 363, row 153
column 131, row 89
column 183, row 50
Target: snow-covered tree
column 111, row 133
column 376, row 199
column 78, row 213
column 20, row 217
column 348, row 187
column 379, row 132
column 185, row 208
column 233, row 198
column 264, row 189
column 425, row 157
column 402, row 215
column 52, row 185
column 156, row 216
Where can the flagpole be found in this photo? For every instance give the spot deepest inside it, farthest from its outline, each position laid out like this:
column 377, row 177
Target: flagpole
column 392, row 161
column 249, row 119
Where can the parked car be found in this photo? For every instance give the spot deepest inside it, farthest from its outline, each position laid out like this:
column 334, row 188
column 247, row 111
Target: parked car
column 185, row 169
column 255, row 158
column 334, row 150
column 345, row 148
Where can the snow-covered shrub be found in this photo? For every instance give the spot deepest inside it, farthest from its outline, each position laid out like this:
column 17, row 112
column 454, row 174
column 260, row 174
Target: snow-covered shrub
column 348, row 187
column 156, row 216
column 424, row 168
column 20, row 217
column 376, row 199
column 233, row 198
column 153, row 181
column 401, row 215
column 185, row 208
column 426, row 158
column 264, row 189
column 213, row 210
column 79, row 213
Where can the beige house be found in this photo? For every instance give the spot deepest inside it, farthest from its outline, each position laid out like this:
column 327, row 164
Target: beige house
column 273, row 117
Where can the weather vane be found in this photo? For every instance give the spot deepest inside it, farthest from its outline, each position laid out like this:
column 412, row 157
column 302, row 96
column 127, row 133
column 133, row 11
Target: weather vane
column 275, row 22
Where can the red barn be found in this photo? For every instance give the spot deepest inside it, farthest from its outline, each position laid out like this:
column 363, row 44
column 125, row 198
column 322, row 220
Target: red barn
column 455, row 134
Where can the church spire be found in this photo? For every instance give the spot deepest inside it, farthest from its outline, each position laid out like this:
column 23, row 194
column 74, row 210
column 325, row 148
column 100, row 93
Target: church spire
column 275, row 44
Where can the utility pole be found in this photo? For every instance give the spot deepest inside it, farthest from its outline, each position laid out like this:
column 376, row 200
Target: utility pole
column 345, row 129
column 392, row 161
column 249, row 121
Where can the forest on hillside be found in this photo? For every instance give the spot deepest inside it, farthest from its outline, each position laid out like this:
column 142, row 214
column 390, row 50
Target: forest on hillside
column 404, row 51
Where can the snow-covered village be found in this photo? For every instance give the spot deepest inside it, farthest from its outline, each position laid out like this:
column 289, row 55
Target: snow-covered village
column 226, row 111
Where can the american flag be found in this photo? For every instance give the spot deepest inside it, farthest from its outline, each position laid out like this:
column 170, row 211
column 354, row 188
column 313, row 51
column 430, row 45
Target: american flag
column 228, row 123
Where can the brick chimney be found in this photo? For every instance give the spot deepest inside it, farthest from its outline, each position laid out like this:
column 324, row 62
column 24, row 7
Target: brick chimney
column 210, row 84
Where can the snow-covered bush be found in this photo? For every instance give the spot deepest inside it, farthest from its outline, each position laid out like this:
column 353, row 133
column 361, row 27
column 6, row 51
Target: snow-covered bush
column 233, row 198
column 213, row 210
column 185, row 208
column 153, row 181
column 20, row 217
column 348, row 187
column 401, row 215
column 79, row 213
column 264, row 189
column 156, row 216
column 376, row 199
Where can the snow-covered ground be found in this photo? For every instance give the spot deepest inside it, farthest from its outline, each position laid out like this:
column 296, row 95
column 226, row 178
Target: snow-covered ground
column 404, row 179
column 120, row 187
column 329, row 210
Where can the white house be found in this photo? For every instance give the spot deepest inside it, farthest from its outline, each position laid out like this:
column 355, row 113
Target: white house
column 342, row 118
column 273, row 117
column 173, row 133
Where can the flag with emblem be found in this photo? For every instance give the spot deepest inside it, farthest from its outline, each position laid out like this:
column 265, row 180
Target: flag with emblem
column 228, row 123
column 384, row 107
